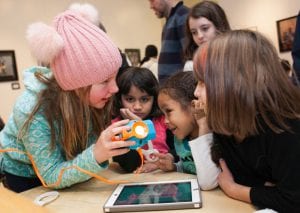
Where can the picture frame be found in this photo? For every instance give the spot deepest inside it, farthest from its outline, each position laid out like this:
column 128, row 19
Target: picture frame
column 8, row 66
column 286, row 32
column 134, row 55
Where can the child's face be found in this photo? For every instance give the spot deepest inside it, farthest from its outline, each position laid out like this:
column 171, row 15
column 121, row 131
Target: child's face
column 202, row 30
column 200, row 94
column 100, row 93
column 180, row 121
column 137, row 101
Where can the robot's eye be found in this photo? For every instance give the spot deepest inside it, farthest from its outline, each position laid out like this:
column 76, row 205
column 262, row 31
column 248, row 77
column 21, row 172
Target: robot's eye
column 140, row 130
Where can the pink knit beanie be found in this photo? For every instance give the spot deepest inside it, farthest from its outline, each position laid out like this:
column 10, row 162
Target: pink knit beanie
column 79, row 53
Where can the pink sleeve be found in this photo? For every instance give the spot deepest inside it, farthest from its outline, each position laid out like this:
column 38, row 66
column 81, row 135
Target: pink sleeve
column 115, row 120
column 159, row 142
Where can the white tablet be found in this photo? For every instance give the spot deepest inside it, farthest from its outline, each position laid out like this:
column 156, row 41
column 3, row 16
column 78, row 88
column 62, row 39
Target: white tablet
column 149, row 196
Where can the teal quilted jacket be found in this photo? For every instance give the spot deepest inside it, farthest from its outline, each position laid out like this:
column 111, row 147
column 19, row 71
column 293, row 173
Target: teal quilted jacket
column 36, row 142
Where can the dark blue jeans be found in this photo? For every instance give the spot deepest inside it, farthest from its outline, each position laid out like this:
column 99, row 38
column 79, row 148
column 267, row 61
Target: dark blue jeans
column 20, row 184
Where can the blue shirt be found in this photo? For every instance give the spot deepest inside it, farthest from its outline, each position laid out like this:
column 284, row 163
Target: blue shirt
column 171, row 53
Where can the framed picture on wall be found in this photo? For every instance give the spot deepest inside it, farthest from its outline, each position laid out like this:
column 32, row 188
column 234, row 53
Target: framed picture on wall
column 8, row 67
column 286, row 32
column 134, row 55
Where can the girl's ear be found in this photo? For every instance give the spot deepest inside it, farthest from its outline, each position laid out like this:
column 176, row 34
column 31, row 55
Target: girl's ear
column 188, row 107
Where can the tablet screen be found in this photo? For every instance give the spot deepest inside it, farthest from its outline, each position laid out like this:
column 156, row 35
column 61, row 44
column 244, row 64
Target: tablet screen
column 155, row 193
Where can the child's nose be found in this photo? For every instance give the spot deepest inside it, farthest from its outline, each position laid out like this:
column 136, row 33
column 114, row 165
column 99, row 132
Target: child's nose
column 137, row 105
column 114, row 88
column 199, row 34
column 166, row 120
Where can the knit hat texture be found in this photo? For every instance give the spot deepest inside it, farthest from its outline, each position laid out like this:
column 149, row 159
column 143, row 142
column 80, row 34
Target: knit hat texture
column 84, row 56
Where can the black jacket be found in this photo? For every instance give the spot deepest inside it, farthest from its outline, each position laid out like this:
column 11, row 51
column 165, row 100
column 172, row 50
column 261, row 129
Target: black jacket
column 266, row 157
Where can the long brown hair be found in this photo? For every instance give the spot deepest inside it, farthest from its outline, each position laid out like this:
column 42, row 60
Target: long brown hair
column 70, row 118
column 245, row 85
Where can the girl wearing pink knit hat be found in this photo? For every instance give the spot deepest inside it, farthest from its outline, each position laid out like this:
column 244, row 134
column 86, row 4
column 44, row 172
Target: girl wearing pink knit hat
column 59, row 133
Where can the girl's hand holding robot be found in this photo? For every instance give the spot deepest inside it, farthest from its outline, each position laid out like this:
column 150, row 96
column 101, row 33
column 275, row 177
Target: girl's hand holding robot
column 106, row 148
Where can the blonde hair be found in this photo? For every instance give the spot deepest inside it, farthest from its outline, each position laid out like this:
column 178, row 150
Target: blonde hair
column 69, row 116
column 245, row 85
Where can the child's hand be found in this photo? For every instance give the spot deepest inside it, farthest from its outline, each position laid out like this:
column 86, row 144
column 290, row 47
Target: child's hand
column 198, row 109
column 165, row 162
column 105, row 148
column 225, row 178
column 230, row 187
column 200, row 116
column 148, row 167
column 127, row 114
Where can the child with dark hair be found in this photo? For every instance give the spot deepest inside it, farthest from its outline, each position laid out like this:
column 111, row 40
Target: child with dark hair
column 137, row 99
column 150, row 52
column 185, row 120
column 150, row 59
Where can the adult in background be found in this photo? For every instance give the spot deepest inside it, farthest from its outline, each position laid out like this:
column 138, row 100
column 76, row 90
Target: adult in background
column 171, row 54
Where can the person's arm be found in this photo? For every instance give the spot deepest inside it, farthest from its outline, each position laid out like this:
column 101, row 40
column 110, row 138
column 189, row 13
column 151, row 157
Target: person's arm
column 230, row 187
column 284, row 195
column 51, row 163
column 181, row 22
column 283, row 160
column 165, row 162
column 207, row 171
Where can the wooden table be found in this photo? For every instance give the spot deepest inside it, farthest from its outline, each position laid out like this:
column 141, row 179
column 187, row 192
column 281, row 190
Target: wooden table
column 91, row 195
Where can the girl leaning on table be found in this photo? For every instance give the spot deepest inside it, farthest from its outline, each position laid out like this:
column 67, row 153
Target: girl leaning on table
column 254, row 111
column 59, row 133
column 192, row 138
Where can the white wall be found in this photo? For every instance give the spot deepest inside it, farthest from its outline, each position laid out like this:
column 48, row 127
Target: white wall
column 261, row 14
column 130, row 23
